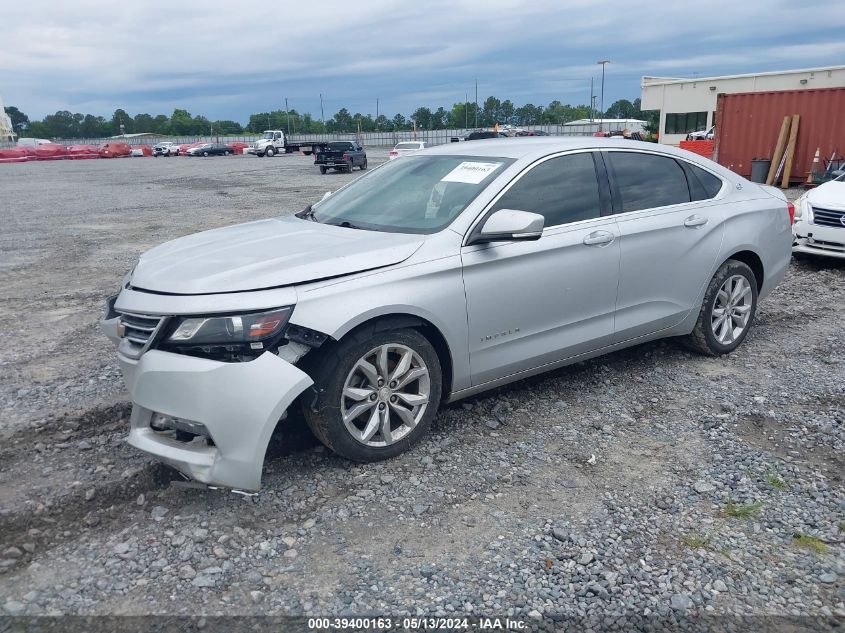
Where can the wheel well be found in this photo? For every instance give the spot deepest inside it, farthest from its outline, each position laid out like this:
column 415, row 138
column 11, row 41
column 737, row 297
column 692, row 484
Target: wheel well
column 753, row 261
column 424, row 327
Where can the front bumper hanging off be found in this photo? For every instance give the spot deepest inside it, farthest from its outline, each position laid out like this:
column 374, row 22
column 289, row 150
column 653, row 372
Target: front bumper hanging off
column 238, row 404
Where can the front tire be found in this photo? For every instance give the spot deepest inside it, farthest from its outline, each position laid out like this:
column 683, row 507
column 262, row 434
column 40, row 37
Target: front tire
column 322, row 170
column 377, row 393
column 364, row 165
column 205, row 153
column 727, row 311
column 269, row 152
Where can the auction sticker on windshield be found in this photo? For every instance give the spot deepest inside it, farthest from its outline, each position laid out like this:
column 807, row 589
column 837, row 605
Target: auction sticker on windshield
column 470, row 172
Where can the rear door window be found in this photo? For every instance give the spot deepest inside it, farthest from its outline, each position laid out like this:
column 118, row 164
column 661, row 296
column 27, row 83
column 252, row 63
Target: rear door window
column 646, row 181
column 562, row 189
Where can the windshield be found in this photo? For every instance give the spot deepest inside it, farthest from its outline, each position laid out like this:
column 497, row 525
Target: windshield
column 268, row 136
column 418, row 194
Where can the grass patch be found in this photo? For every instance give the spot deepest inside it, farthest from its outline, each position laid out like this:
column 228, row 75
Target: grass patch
column 742, row 511
column 773, row 479
column 695, row 541
column 810, row 542
column 841, row 526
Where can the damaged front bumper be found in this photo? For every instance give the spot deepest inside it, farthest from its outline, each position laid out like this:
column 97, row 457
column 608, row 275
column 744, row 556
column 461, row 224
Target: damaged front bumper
column 237, row 405
column 813, row 239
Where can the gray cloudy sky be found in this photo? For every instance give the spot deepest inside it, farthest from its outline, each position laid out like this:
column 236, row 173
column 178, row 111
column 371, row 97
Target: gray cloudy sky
column 230, row 59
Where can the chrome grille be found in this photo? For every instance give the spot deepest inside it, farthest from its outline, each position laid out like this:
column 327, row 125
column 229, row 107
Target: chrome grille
column 828, row 217
column 140, row 329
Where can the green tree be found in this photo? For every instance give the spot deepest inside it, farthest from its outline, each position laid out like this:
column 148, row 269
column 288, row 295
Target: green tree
column 422, row 116
column 490, row 112
column 506, row 111
column 399, row 122
column 143, row 123
column 181, row 122
column 161, row 124
column 120, row 117
column 93, row 127
column 19, row 119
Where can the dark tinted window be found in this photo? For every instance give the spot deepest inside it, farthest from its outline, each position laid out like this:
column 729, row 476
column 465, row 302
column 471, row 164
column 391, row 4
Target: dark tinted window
column 561, row 189
column 710, row 184
column 646, row 180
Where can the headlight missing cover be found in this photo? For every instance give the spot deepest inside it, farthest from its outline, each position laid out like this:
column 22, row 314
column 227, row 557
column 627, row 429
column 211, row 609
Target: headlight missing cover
column 250, row 329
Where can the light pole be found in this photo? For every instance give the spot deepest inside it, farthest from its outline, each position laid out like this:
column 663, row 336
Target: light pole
column 603, row 62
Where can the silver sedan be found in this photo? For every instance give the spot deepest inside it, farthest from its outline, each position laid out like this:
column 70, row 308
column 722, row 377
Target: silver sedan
column 434, row 277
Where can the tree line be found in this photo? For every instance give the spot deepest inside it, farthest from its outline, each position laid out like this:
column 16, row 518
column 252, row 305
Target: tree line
column 65, row 124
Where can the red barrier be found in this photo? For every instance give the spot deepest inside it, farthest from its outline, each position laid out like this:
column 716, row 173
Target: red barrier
column 16, row 155
column 114, row 150
column 50, row 151
column 238, row 147
column 80, row 152
column 146, row 149
column 702, row 148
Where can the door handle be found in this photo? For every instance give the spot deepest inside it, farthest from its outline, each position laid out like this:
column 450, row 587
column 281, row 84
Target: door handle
column 599, row 238
column 695, row 221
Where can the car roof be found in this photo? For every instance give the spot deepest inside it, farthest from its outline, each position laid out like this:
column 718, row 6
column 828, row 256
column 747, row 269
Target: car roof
column 531, row 148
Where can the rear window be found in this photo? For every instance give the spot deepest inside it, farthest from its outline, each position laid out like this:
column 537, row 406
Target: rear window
column 339, row 146
column 647, row 180
column 408, row 146
column 709, row 185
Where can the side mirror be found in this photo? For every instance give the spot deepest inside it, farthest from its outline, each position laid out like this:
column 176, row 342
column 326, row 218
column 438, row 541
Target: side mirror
column 325, row 195
column 510, row 225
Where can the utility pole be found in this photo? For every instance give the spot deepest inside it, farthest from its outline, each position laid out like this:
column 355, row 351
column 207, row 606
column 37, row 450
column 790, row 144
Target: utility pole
column 603, row 62
column 287, row 114
column 476, row 103
column 376, row 113
column 466, row 110
column 592, row 99
column 322, row 115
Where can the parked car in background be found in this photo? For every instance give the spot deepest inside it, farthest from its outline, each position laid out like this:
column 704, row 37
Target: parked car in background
column 532, row 133
column 703, row 135
column 484, row 134
column 341, row 156
column 166, row 148
column 455, row 270
column 406, row 147
column 211, row 149
column 819, row 227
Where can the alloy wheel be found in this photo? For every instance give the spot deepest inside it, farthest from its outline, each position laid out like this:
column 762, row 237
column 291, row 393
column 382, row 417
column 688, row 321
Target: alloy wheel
column 731, row 309
column 385, row 395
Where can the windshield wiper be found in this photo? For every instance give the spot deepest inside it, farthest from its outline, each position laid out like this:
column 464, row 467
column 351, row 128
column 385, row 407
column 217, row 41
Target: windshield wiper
column 307, row 214
column 348, row 225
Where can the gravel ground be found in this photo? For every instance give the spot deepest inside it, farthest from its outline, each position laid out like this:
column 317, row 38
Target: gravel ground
column 649, row 483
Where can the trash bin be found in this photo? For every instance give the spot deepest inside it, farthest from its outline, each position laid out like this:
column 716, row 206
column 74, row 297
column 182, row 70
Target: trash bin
column 760, row 169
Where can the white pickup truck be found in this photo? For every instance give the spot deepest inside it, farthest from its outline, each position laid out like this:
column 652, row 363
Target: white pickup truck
column 166, row 148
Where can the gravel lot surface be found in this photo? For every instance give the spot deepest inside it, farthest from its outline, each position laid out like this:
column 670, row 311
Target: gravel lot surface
column 652, row 482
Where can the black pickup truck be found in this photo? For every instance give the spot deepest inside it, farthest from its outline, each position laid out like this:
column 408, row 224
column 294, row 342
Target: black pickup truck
column 341, row 155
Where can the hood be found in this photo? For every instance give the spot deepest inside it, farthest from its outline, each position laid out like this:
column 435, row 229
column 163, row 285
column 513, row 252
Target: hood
column 267, row 254
column 830, row 195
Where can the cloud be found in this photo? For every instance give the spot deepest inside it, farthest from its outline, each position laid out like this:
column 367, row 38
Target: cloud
column 227, row 60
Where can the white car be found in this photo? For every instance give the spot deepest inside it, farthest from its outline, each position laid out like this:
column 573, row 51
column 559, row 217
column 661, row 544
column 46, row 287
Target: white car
column 406, row 147
column 819, row 227
column 702, row 135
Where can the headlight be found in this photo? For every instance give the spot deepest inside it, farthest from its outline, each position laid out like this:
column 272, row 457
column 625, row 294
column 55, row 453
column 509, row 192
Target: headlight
column 231, row 330
column 802, row 209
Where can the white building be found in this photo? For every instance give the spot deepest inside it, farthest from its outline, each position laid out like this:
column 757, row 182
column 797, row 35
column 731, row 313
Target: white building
column 689, row 105
column 7, row 134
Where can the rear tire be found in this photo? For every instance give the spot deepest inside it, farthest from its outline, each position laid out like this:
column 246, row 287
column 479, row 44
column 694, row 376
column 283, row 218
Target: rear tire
column 727, row 311
column 351, row 166
column 387, row 424
column 322, row 170
column 205, row 153
column 225, row 153
column 364, row 165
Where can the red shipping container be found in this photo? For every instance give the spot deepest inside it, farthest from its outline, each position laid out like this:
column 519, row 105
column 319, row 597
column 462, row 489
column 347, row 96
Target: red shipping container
column 748, row 124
